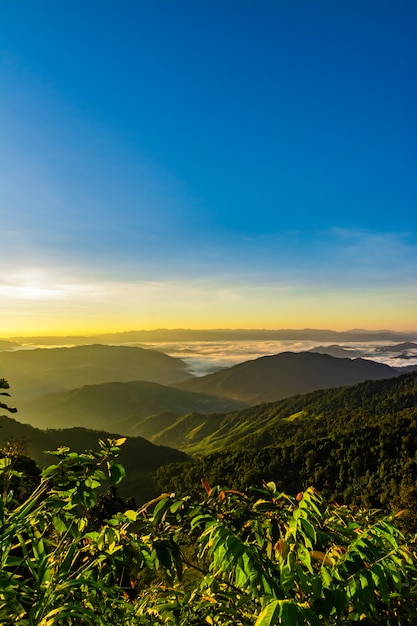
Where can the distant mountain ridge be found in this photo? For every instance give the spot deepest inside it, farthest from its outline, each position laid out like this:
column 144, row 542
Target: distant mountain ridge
column 337, row 351
column 177, row 415
column 221, row 334
column 269, row 423
column 8, row 345
column 32, row 373
column 407, row 345
column 271, row 378
column 248, row 444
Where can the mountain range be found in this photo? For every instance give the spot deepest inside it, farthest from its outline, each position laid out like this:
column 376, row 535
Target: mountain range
column 184, row 414
column 345, row 425
column 337, row 351
column 312, row 415
column 220, row 334
column 356, row 444
column 32, row 373
column 271, row 378
column 399, row 347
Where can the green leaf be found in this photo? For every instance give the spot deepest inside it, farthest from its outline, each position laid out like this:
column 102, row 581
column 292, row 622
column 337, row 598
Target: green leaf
column 49, row 470
column 286, row 579
column 92, row 483
column 73, row 455
column 175, row 506
column 326, row 576
column 270, row 614
column 131, row 515
column 160, row 509
column 290, row 615
column 284, row 612
column 59, row 524
column 304, row 556
column 117, row 473
column 203, row 519
column 367, row 588
column 304, row 580
column 308, row 530
column 164, row 554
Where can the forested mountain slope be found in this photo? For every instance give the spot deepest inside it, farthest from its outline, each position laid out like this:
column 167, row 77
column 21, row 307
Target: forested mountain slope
column 119, row 406
column 356, row 444
column 32, row 373
column 271, row 378
column 309, row 414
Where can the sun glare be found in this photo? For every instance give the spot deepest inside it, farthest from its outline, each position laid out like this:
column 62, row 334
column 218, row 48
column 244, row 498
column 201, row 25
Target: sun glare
column 35, row 292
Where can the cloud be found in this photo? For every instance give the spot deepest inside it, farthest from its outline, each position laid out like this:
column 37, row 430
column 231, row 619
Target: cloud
column 205, row 357
column 367, row 259
column 370, row 247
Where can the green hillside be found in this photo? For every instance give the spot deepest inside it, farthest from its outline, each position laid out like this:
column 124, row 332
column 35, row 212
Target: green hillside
column 271, row 378
column 32, row 373
column 355, row 444
column 308, row 415
column 124, row 407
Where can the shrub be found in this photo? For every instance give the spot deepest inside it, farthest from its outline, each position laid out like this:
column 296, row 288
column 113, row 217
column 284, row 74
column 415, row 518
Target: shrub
column 260, row 557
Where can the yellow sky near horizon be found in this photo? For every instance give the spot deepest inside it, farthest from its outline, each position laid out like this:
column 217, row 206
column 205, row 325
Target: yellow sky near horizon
column 274, row 188
column 37, row 307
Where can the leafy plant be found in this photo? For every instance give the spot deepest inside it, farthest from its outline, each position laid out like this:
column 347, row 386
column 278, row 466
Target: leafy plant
column 256, row 558
column 5, row 385
column 52, row 570
column 274, row 559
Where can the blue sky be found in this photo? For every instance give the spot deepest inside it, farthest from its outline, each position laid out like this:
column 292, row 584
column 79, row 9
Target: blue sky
column 234, row 163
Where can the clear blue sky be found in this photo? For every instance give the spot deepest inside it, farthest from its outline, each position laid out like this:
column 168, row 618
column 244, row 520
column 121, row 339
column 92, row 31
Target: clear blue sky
column 184, row 163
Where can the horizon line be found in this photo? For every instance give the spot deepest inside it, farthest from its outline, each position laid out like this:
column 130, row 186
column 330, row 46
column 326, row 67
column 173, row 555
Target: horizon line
column 203, row 330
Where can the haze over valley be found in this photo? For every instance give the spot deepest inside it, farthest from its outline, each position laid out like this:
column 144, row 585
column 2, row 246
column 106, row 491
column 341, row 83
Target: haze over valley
column 133, row 390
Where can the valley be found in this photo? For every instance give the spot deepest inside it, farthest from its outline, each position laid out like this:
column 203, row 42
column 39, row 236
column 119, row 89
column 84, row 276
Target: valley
column 235, row 426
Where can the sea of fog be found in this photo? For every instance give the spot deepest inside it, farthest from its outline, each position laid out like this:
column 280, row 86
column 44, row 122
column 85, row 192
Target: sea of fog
column 205, row 357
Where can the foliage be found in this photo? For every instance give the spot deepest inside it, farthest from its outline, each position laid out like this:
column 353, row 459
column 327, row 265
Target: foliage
column 51, row 571
column 273, row 559
column 139, row 456
column 5, row 385
column 258, row 558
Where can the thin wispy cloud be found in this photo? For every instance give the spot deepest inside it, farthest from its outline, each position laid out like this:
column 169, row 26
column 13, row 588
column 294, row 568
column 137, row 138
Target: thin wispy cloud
column 231, row 301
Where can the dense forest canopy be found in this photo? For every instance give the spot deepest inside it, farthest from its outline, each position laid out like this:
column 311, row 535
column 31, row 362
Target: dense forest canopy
column 356, row 445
